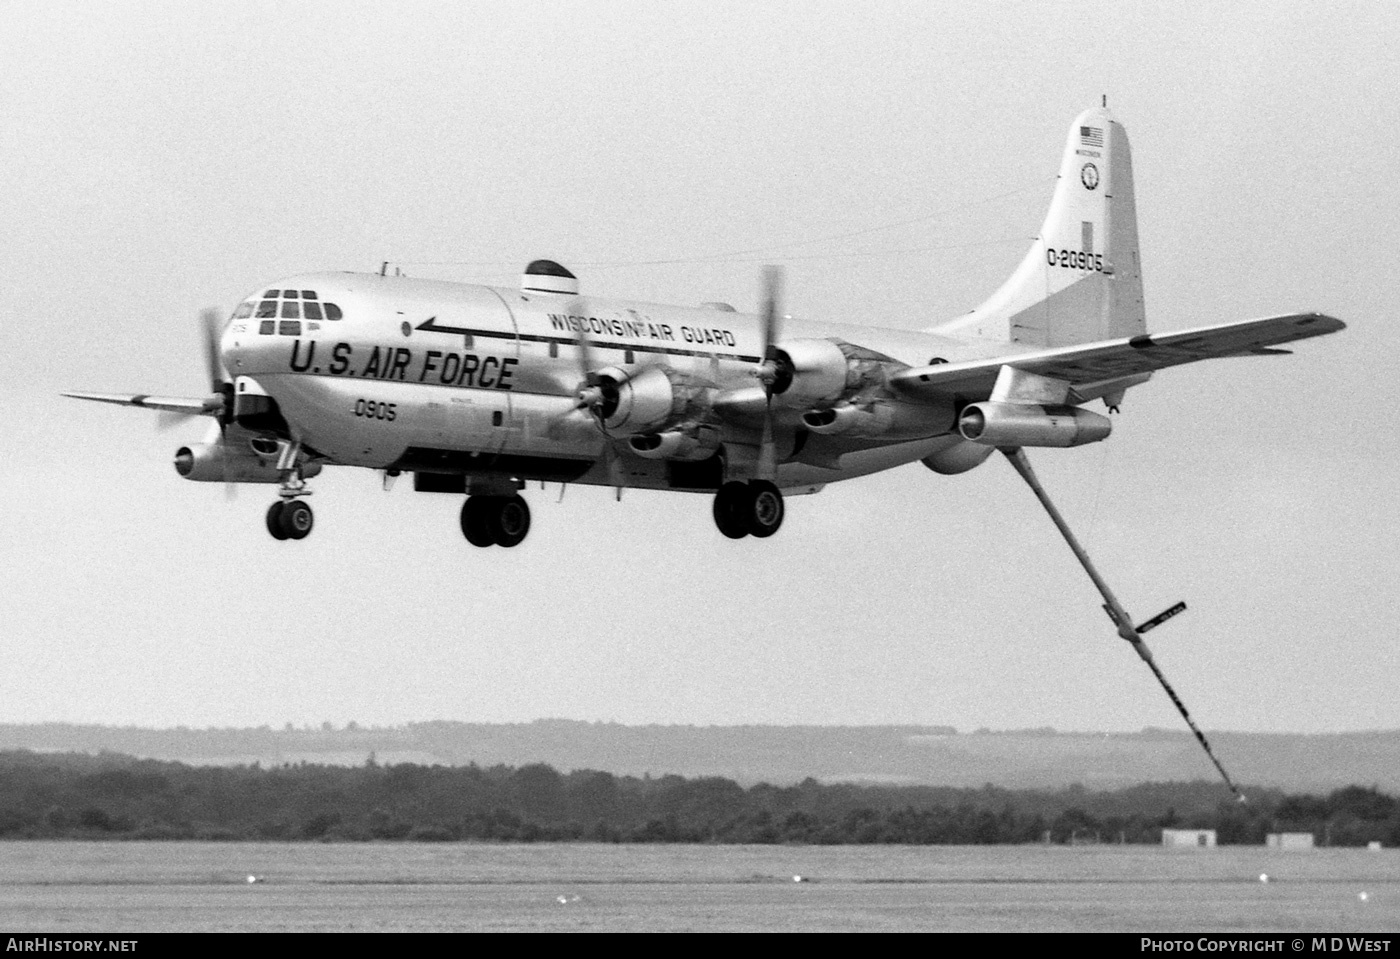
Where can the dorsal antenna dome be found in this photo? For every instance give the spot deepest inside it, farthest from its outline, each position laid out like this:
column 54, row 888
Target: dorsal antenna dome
column 546, row 276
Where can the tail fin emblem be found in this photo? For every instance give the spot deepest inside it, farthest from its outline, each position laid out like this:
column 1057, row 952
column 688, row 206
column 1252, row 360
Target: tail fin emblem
column 1089, row 176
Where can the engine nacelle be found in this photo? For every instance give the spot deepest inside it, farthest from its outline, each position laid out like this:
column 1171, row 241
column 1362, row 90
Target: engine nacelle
column 688, row 445
column 872, row 420
column 883, row 418
column 223, row 463
column 640, row 403
column 810, row 372
column 1028, row 424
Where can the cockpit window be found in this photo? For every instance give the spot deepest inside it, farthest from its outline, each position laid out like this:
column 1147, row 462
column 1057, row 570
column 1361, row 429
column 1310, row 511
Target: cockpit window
column 288, row 305
column 289, row 328
column 266, row 327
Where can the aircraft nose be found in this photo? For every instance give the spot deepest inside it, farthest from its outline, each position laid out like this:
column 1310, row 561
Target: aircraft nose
column 230, row 347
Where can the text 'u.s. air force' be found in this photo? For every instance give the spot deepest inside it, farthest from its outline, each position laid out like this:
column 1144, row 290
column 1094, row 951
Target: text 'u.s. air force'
column 480, row 370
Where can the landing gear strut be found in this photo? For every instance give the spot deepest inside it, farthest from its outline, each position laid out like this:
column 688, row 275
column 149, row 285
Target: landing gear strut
column 743, row 509
column 290, row 517
column 495, row 520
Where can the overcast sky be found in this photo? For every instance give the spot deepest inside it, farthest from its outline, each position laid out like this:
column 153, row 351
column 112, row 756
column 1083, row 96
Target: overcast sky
column 160, row 158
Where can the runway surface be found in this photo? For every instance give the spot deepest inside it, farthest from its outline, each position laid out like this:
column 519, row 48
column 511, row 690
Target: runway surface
column 151, row 887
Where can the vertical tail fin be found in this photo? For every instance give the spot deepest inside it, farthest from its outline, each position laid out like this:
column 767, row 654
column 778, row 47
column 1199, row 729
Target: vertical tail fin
column 1082, row 279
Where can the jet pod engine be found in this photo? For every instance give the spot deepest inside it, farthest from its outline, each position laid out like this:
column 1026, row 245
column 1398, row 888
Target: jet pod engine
column 1027, row 424
column 223, row 462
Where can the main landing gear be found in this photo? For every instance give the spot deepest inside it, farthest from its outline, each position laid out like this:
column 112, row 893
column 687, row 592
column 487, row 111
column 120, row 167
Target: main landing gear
column 289, row 519
column 495, row 520
column 743, row 509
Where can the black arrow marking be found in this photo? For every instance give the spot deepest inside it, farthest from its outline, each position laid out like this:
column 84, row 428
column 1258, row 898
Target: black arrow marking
column 430, row 325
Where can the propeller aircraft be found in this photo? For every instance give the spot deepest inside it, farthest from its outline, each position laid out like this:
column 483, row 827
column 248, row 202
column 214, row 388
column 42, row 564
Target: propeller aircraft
column 476, row 390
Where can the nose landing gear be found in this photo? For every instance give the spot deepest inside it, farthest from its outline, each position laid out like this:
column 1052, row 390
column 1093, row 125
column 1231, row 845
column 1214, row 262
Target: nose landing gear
column 495, row 520
column 744, row 509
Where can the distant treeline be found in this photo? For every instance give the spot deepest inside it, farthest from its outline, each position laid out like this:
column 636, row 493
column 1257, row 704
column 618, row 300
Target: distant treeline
column 115, row 797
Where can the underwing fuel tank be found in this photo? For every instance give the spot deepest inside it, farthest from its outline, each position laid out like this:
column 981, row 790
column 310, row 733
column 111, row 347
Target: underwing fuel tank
column 1029, row 424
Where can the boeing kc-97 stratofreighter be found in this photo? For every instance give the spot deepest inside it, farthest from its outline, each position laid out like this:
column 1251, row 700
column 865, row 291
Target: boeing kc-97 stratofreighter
column 476, row 390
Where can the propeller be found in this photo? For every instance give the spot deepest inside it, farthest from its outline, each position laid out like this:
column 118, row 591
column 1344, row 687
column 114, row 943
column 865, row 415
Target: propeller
column 593, row 393
column 172, row 411
column 220, row 385
column 219, row 381
column 598, row 395
column 774, row 372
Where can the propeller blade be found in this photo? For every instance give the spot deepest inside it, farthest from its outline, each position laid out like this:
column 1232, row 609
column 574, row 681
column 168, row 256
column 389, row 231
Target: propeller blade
column 769, row 317
column 587, row 359
column 213, row 330
column 767, row 466
column 771, row 296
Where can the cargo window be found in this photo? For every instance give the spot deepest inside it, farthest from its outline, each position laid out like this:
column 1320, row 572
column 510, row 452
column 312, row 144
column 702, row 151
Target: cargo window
column 312, row 311
column 289, row 328
column 266, row 327
column 291, row 311
column 332, row 311
column 267, row 308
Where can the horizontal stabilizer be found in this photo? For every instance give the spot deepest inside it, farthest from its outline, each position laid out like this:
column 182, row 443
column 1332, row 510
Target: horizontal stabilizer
column 1110, row 360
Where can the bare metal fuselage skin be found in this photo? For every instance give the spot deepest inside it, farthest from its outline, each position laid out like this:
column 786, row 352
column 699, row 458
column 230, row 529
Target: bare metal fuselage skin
column 444, row 377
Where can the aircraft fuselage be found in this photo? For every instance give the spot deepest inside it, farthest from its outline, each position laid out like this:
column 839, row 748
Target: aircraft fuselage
column 444, row 377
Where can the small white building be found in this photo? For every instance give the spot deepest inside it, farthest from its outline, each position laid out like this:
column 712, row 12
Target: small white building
column 1189, row 838
column 1289, row 840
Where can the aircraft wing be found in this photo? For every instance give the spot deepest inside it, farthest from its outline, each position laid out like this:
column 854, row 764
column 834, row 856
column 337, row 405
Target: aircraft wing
column 1121, row 361
column 169, row 404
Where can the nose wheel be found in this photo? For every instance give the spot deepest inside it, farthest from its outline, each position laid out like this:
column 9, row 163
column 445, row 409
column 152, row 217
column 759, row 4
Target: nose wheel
column 495, row 520
column 749, row 509
column 289, row 519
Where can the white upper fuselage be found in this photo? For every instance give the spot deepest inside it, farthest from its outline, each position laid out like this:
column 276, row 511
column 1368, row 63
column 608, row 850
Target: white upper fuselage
column 422, row 373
